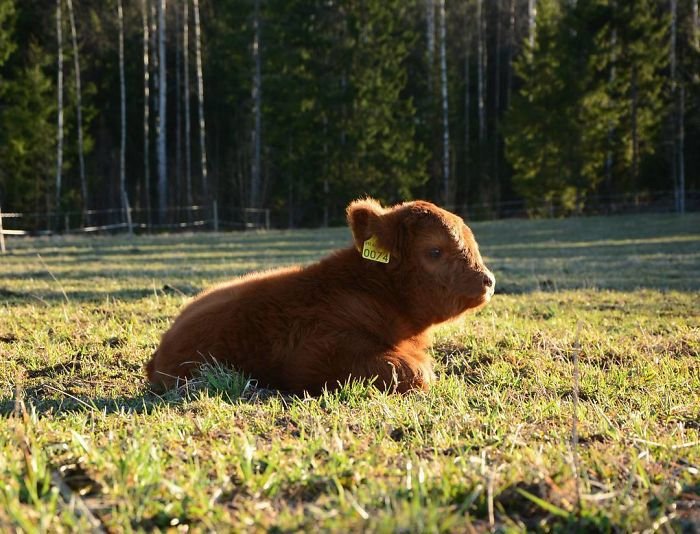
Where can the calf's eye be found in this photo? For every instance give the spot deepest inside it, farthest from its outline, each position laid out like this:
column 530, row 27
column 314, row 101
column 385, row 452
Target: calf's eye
column 435, row 253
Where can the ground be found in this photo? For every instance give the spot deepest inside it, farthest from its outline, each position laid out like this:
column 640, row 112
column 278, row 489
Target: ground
column 85, row 444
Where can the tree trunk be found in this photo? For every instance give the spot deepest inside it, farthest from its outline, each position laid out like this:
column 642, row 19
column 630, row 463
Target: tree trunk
column 511, row 48
column 326, row 184
column 445, row 114
column 200, row 99
column 290, row 192
column 467, row 124
column 122, row 100
column 161, row 126
column 79, row 110
column 155, row 91
column 611, row 130
column 497, row 104
column 531, row 22
column 675, row 122
column 255, row 183
column 635, row 133
column 681, row 149
column 481, row 66
column 155, row 68
column 430, row 38
column 186, row 82
column 146, row 113
column 59, row 126
column 695, row 30
column 178, row 110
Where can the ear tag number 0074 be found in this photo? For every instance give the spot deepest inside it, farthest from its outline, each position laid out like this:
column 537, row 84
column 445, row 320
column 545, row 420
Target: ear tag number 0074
column 373, row 252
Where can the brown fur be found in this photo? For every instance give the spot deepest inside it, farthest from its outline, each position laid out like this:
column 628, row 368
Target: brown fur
column 303, row 329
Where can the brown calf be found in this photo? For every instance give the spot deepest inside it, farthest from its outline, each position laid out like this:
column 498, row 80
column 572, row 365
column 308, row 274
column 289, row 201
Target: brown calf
column 363, row 312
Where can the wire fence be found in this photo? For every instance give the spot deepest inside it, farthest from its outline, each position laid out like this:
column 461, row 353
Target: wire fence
column 213, row 218
column 199, row 217
column 617, row 204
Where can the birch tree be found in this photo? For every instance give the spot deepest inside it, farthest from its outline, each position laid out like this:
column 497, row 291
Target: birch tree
column 200, row 98
column 79, row 110
column 695, row 32
column 122, row 107
column 154, row 58
column 59, row 120
column 678, row 105
column 531, row 21
column 146, row 111
column 445, row 121
column 178, row 108
column 161, row 125
column 255, row 180
column 186, row 90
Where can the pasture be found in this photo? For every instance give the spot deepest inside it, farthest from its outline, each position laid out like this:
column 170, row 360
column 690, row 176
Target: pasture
column 85, row 445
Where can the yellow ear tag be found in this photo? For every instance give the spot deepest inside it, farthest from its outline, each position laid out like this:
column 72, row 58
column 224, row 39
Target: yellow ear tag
column 373, row 252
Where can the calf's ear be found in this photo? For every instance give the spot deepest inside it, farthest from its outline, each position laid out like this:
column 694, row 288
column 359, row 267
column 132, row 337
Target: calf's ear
column 367, row 218
column 364, row 219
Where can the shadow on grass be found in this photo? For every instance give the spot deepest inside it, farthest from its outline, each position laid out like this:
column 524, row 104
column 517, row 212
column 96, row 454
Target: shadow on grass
column 143, row 403
column 59, row 398
column 214, row 382
column 619, row 253
column 96, row 296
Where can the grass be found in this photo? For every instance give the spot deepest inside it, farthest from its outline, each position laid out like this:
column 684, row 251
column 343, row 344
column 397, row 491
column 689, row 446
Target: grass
column 83, row 440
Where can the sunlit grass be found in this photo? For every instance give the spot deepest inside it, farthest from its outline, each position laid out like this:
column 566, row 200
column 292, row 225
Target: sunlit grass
column 489, row 445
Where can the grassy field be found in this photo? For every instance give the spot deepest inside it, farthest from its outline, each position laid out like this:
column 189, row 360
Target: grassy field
column 85, row 445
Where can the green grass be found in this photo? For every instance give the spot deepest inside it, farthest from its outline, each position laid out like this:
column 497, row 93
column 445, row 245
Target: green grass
column 489, row 446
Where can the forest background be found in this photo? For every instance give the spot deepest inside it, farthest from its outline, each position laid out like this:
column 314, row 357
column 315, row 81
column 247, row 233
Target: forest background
column 299, row 106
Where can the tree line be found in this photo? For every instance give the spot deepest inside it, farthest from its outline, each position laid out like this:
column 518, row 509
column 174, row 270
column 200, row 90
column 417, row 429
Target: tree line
column 301, row 105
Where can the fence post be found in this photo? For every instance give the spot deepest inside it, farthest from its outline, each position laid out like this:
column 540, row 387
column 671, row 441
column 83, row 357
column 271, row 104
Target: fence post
column 2, row 235
column 267, row 219
column 215, row 208
column 66, row 222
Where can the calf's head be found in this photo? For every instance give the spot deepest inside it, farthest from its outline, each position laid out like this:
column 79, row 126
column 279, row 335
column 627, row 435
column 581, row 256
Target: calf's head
column 432, row 255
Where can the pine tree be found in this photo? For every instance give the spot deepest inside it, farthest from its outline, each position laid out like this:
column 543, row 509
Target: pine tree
column 388, row 162
column 27, row 161
column 558, row 132
column 541, row 132
column 349, row 107
column 638, row 96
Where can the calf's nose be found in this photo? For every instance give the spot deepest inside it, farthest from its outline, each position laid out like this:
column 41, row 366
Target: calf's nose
column 489, row 280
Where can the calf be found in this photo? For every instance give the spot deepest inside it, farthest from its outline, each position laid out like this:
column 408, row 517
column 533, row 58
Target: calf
column 364, row 312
